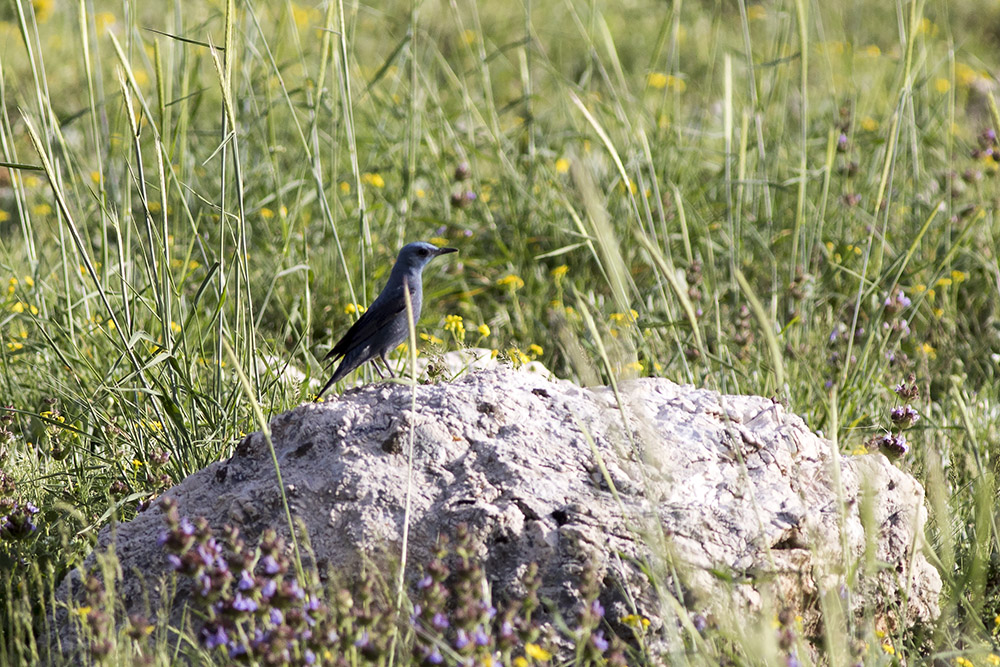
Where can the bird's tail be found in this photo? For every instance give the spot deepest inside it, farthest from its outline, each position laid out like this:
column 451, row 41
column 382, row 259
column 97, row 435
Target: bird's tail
column 337, row 374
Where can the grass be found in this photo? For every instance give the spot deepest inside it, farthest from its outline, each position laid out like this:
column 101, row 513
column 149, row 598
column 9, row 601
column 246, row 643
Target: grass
column 790, row 199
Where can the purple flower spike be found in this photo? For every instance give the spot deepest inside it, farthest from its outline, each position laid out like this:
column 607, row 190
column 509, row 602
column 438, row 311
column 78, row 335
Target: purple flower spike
column 440, row 621
column 246, row 581
column 271, row 566
column 597, row 609
column 241, row 603
column 213, row 635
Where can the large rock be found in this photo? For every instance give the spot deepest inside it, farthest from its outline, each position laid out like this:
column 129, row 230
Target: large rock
column 729, row 499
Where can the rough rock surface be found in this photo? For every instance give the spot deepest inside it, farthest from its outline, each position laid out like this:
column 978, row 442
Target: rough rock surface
column 696, row 484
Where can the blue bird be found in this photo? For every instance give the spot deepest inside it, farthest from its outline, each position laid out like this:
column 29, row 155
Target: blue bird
column 384, row 326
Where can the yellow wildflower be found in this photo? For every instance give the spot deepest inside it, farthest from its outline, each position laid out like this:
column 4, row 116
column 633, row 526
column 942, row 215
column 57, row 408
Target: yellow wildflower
column 537, row 652
column 102, row 20
column 43, row 9
column 676, row 83
column 535, row 349
column 483, row 330
column 869, row 124
column 375, row 180
column 41, row 209
column 517, row 358
column 636, row 621
column 562, row 165
column 512, row 281
column 965, row 75
column 942, row 85
column 957, row 276
column 266, row 213
column 560, row 272
column 657, row 80
column 352, row 308
column 455, row 325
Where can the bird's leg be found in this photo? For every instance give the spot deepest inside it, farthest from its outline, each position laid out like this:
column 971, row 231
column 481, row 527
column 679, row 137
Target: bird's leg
column 387, row 366
column 378, row 370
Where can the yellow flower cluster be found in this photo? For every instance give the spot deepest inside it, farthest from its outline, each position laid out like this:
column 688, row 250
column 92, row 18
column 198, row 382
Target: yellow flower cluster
column 519, row 358
column 456, row 326
column 512, row 281
column 659, row 80
column 636, row 621
column 430, row 338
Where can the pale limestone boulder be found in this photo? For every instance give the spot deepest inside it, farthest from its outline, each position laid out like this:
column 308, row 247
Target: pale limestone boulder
column 690, row 482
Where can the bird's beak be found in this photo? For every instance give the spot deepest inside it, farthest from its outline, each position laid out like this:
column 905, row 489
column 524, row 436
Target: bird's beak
column 445, row 251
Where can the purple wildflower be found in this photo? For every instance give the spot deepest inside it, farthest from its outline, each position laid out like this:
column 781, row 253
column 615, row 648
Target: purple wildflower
column 904, row 416
column 212, row 635
column 242, row 603
column 893, row 444
column 246, row 581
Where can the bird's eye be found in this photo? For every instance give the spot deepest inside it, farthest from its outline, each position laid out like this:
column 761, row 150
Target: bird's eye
column 423, row 252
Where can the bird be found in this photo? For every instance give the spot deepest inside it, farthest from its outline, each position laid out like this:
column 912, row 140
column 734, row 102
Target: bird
column 384, row 325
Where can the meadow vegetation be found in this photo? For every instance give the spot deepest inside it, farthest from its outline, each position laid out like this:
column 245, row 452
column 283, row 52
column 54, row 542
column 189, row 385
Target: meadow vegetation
column 794, row 199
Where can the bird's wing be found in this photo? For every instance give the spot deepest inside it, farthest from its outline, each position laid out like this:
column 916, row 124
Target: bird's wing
column 381, row 312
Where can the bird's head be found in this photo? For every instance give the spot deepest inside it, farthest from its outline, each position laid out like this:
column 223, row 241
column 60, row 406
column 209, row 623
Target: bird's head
column 414, row 256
